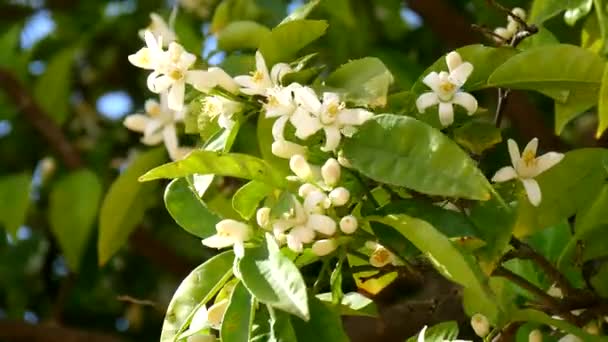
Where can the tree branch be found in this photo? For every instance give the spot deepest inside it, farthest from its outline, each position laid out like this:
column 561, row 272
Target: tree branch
column 18, row 331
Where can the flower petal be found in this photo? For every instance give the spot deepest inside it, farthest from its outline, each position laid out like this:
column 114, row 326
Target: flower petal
column 176, row 95
column 260, row 65
column 531, row 147
column 332, row 138
column 278, row 71
column 513, row 152
column 453, row 60
column 136, row 122
column 161, row 83
column 307, row 98
column 170, row 138
column 432, row 81
column 547, row 161
column 461, row 73
column 504, row 174
column 446, row 113
column 216, row 241
column 142, row 59
column 421, row 334
column 467, row 101
column 532, row 190
column 322, row 224
column 305, row 124
column 248, row 85
column 353, row 117
column 287, row 149
column 278, row 127
column 222, row 79
column 426, row 100
column 152, row 139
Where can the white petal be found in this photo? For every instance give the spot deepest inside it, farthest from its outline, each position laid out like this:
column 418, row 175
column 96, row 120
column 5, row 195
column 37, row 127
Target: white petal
column 151, row 80
column 331, row 97
column 421, row 334
column 453, row 60
column 151, row 41
column 446, row 113
column 461, row 73
column 223, row 79
column 307, row 98
column 278, row 71
column 248, row 85
column 304, row 234
column 305, row 124
column 324, row 247
column 216, row 241
column 354, row 117
column 152, row 139
column 504, row 174
column 316, row 202
column 547, row 161
column 531, row 147
column 176, row 95
column 216, row 312
column 294, row 243
column 330, row 171
column 260, row 65
column 332, row 138
column 278, row 127
column 322, row 224
column 161, row 83
column 239, row 249
column 136, row 122
column 287, row 149
column 432, row 81
column 513, row 152
column 236, row 230
column 426, row 100
column 532, row 190
column 467, row 101
column 154, row 127
column 170, row 138
column 300, row 167
column 142, row 59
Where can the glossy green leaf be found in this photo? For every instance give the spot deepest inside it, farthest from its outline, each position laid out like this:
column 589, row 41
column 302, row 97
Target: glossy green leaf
column 353, row 304
column 445, row 331
column 281, row 329
column 301, row 12
column 603, row 106
column 601, row 10
column 73, row 204
column 188, row 209
column 221, row 164
column 542, row 38
column 246, row 199
column 591, row 36
column 14, row 201
column 236, row 324
column 403, row 151
column 325, row 324
column 284, row 41
column 52, row 90
column 124, row 204
column 531, row 315
column 546, row 9
column 9, row 42
column 363, row 82
column 241, row 35
column 273, row 279
column 578, row 101
column 477, row 136
column 196, row 289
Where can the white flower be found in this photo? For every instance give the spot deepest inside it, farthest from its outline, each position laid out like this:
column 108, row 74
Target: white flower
column 446, row 89
column 280, row 104
column 316, row 202
column 304, row 222
column 159, row 28
column 324, row 247
column 260, row 80
column 216, row 312
column 223, row 109
column 330, row 171
column 348, row 224
column 201, row 338
column 302, row 169
column 569, row 338
column 230, row 233
column 422, row 332
column 287, row 149
column 535, row 336
column 339, row 196
column 380, row 256
column 526, row 167
column 262, row 217
column 157, row 124
column 331, row 115
column 306, row 189
column 480, row 325
column 298, row 236
column 507, row 33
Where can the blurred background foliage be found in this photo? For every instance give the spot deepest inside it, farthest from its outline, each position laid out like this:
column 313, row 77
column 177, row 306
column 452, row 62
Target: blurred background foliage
column 66, row 80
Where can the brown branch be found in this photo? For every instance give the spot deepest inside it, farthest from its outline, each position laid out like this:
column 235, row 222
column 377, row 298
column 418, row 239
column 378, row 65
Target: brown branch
column 18, row 331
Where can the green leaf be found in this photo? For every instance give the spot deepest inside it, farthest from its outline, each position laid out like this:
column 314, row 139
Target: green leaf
column 52, row 90
column 273, row 279
column 195, row 290
column 353, row 304
column 444, row 331
column 73, row 204
column 591, row 37
column 236, row 324
column 546, row 9
column 238, row 64
column 301, row 12
column 403, row 151
column 125, row 203
column 188, row 209
column 603, row 106
column 9, row 42
column 281, row 329
column 363, row 82
column 542, row 38
column 14, row 200
column 221, row 164
column 325, row 324
column 241, row 35
column 188, row 34
column 601, row 9
column 246, row 199
column 284, row 41
column 531, row 315
column 578, row 101
column 477, row 136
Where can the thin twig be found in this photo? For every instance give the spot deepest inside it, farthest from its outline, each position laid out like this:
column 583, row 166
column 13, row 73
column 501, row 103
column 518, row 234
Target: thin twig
column 132, row 300
column 520, row 281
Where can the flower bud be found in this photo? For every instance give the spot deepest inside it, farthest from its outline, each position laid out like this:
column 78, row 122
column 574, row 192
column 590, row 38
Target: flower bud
column 322, row 224
column 300, row 166
column 555, row 291
column 520, row 12
column 453, row 59
column 215, row 314
column 306, row 189
column 569, row 338
column 330, row 171
column 339, row 196
column 381, row 256
column 480, row 325
column 316, row 202
column 503, row 33
column 535, row 336
column 324, row 247
column 262, row 217
column 287, row 149
column 348, row 224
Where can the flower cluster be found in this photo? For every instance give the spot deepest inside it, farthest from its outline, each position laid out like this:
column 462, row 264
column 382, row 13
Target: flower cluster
column 506, row 34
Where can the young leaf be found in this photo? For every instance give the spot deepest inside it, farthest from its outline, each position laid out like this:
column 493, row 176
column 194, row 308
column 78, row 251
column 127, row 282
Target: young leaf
column 124, row 205
column 603, row 106
column 241, row 35
column 363, row 81
column 273, row 279
column 14, row 201
column 188, row 209
column 301, row 12
column 445, row 331
column 236, row 324
column 196, row 289
column 223, row 164
column 324, row 325
column 73, row 204
column 403, row 151
column 52, row 90
column 284, row 41
column 246, row 199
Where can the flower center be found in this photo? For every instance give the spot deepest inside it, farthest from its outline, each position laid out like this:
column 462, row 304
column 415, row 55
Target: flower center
column 154, row 111
column 272, row 101
column 529, row 159
column 381, row 255
column 258, row 77
column 331, row 113
column 446, row 90
column 176, row 74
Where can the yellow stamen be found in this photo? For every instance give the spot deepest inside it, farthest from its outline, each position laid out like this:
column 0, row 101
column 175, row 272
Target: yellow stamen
column 176, row 74
column 257, row 76
column 529, row 158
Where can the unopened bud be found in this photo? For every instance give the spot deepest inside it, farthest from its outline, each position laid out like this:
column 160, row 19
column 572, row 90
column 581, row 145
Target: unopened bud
column 480, row 325
column 569, row 338
column 520, row 12
column 215, row 314
column 339, row 196
column 322, row 224
column 555, row 291
column 453, row 59
column 306, row 189
column 316, row 202
column 263, row 217
column 535, row 336
column 300, row 166
column 503, row 33
column 286, row 149
column 324, row 247
column 348, row 224
column 330, row 171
